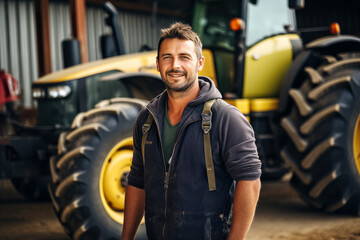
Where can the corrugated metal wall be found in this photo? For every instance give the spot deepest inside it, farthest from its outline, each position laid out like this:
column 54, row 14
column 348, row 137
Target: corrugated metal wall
column 18, row 53
column 59, row 16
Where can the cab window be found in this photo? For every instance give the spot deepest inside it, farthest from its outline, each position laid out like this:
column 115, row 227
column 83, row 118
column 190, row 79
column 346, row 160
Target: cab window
column 266, row 18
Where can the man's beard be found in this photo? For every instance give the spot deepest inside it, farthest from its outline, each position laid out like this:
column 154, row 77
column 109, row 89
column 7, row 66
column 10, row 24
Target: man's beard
column 190, row 80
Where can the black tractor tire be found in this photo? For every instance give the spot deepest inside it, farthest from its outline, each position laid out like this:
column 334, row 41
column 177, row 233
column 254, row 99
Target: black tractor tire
column 274, row 174
column 89, row 175
column 323, row 128
column 33, row 188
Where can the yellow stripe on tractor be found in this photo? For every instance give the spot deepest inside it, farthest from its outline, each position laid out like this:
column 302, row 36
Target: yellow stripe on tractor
column 264, row 104
column 252, row 106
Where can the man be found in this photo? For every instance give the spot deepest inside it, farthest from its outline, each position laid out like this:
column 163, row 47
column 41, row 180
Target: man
column 171, row 184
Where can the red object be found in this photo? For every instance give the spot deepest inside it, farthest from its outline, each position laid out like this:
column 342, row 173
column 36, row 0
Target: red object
column 335, row 28
column 9, row 88
column 236, row 24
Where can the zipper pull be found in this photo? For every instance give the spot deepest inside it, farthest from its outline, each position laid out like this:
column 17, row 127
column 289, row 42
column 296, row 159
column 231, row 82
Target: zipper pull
column 166, row 180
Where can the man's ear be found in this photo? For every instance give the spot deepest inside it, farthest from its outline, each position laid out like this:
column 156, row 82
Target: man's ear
column 157, row 64
column 201, row 63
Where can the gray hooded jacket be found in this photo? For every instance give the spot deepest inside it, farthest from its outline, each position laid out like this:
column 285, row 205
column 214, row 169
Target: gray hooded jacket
column 178, row 204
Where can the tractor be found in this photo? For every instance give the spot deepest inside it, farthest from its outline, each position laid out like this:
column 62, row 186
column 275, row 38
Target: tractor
column 302, row 100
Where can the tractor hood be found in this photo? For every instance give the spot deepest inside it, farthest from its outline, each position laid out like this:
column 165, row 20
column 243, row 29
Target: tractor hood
column 139, row 62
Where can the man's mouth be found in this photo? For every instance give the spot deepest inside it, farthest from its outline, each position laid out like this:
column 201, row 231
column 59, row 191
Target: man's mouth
column 176, row 74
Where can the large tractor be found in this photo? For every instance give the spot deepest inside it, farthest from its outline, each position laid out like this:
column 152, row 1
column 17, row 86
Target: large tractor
column 303, row 102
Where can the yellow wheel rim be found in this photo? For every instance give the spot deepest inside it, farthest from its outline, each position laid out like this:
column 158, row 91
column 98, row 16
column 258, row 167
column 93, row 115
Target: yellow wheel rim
column 356, row 142
column 113, row 179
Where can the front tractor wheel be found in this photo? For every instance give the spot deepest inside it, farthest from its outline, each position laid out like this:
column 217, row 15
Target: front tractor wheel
column 89, row 176
column 324, row 136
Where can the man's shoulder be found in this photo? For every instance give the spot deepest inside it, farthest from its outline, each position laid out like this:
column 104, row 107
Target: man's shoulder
column 219, row 106
column 223, row 111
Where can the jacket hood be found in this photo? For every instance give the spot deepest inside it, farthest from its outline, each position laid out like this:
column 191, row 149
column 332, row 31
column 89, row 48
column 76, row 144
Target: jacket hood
column 207, row 92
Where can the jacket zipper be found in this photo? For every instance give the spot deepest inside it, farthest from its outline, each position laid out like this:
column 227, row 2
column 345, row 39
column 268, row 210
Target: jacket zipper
column 166, row 179
column 167, row 173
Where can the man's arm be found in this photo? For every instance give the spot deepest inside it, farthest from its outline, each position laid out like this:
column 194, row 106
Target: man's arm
column 244, row 205
column 134, row 211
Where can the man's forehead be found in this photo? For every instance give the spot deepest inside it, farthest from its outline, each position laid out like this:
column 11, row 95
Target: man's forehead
column 175, row 43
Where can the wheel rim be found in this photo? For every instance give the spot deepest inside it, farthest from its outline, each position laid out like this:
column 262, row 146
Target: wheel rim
column 112, row 179
column 356, row 146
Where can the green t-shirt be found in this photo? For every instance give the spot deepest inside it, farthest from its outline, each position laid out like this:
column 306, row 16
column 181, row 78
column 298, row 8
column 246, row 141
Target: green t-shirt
column 169, row 135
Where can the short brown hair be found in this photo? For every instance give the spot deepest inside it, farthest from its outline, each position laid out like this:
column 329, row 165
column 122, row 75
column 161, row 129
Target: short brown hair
column 181, row 31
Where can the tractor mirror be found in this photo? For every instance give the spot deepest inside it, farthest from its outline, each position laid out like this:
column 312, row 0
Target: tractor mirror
column 296, row 4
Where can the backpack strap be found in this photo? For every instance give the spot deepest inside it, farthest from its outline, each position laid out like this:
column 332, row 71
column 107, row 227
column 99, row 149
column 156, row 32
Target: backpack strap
column 145, row 130
column 206, row 127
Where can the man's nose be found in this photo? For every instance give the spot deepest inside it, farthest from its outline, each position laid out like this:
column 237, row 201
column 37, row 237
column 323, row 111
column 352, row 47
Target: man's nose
column 175, row 63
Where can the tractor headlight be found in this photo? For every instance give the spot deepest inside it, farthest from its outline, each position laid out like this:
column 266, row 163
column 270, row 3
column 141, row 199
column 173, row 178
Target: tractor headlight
column 58, row 91
column 52, row 92
column 38, row 93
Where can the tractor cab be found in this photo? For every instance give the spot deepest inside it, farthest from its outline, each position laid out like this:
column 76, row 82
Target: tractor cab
column 266, row 33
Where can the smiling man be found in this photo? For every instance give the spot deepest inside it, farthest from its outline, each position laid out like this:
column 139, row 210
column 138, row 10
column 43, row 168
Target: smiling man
column 178, row 65
column 184, row 194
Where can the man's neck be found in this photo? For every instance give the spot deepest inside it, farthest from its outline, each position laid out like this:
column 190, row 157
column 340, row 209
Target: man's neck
column 177, row 102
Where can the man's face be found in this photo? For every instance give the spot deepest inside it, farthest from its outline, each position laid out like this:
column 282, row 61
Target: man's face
column 178, row 64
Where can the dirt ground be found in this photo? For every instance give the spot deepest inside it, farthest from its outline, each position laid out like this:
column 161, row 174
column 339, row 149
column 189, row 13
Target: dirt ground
column 280, row 215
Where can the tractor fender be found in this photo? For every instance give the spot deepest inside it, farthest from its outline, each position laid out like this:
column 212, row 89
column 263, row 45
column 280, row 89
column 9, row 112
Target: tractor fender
column 124, row 75
column 311, row 56
column 338, row 43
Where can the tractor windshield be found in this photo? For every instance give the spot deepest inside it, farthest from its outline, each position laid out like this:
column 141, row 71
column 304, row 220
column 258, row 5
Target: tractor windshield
column 267, row 18
column 264, row 18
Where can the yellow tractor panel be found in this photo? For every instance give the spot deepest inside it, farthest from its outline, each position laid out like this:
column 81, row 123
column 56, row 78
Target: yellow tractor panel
column 265, row 66
column 209, row 67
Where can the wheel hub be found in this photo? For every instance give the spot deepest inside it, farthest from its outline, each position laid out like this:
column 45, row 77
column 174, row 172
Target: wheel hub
column 113, row 179
column 124, row 179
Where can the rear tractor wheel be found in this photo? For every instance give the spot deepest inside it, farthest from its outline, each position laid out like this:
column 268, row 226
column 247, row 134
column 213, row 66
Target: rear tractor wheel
column 324, row 136
column 89, row 177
